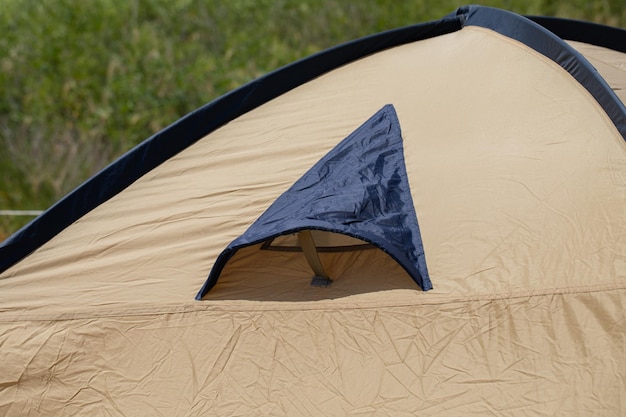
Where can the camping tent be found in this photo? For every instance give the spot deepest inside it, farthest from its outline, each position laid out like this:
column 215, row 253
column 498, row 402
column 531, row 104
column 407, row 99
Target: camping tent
column 455, row 191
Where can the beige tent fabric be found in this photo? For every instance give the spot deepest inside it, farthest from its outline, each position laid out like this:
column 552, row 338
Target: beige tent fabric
column 557, row 354
column 609, row 63
column 519, row 183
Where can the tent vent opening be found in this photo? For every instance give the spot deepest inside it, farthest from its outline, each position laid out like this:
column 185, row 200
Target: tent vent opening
column 357, row 194
column 325, row 242
column 313, row 242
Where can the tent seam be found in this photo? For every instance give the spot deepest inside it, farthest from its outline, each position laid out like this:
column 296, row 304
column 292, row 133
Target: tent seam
column 210, row 306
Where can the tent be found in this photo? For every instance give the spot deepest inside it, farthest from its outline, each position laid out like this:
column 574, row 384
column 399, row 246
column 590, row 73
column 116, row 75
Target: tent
column 427, row 221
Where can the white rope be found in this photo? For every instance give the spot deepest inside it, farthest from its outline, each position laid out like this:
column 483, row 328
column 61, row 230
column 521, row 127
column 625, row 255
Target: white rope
column 20, row 212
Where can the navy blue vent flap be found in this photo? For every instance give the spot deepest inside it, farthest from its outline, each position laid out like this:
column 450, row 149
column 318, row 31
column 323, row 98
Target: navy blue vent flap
column 359, row 189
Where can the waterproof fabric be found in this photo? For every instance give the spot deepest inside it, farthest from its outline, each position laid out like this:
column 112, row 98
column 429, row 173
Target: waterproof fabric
column 360, row 189
column 518, row 179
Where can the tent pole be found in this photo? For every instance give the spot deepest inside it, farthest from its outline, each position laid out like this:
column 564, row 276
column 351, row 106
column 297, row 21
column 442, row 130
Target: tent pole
column 307, row 244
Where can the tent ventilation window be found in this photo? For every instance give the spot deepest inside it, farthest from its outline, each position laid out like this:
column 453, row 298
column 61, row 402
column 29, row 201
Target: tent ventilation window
column 324, row 242
column 311, row 243
column 355, row 197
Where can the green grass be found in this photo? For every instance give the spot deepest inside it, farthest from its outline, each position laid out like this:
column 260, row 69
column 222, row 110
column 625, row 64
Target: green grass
column 83, row 82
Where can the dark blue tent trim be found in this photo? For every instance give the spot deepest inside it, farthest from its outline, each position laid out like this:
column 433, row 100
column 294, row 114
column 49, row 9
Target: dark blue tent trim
column 586, row 32
column 360, row 189
column 191, row 128
column 547, row 43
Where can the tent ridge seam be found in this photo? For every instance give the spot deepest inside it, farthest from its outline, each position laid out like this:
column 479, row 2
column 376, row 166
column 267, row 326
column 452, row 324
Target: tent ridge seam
column 210, row 306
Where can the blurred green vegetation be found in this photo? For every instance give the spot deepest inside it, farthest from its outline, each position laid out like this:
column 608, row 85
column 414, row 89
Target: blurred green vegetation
column 84, row 81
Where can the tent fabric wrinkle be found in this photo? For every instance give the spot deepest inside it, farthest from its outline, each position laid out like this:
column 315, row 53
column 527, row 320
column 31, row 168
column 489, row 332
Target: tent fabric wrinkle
column 360, row 189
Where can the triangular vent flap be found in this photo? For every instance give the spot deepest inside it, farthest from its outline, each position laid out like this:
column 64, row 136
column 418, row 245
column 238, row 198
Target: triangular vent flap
column 359, row 190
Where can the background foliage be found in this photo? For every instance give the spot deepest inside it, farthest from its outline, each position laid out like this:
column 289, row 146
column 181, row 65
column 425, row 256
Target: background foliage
column 84, row 81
